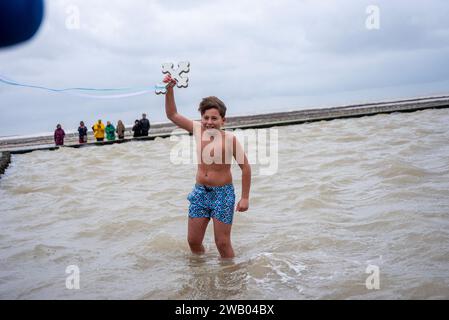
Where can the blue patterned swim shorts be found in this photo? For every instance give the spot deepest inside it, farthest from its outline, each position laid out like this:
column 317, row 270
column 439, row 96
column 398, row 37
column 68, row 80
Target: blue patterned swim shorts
column 212, row 202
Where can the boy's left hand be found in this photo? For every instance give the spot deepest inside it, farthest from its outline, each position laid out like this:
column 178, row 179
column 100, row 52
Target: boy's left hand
column 242, row 205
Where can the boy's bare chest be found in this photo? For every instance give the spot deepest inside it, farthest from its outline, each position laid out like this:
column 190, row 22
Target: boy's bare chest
column 214, row 145
column 215, row 150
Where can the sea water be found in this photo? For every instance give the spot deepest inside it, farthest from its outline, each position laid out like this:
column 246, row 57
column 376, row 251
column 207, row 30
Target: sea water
column 349, row 200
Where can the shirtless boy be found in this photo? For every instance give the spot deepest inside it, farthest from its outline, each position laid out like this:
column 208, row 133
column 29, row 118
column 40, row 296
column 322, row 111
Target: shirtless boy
column 213, row 195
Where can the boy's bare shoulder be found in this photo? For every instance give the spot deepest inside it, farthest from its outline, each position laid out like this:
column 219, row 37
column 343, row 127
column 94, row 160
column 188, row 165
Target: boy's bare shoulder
column 230, row 136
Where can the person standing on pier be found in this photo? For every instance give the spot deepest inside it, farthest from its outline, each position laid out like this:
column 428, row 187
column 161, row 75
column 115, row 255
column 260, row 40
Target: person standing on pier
column 137, row 129
column 144, row 125
column 98, row 129
column 59, row 135
column 110, row 131
column 120, row 130
column 82, row 132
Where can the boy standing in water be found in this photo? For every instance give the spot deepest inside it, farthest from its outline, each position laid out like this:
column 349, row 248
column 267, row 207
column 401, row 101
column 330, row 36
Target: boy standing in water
column 213, row 195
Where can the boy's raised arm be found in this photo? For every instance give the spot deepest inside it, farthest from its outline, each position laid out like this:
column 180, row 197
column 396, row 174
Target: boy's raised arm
column 172, row 112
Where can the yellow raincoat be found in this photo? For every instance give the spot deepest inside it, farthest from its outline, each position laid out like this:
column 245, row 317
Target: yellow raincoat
column 98, row 130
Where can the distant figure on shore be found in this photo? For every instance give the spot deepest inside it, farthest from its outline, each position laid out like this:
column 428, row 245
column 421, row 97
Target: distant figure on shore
column 98, row 129
column 82, row 133
column 137, row 129
column 59, row 135
column 145, row 125
column 110, row 131
column 120, row 130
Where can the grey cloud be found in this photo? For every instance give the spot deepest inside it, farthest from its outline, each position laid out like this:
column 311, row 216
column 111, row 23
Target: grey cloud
column 257, row 55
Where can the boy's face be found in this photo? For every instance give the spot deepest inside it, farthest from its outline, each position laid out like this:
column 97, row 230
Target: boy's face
column 211, row 119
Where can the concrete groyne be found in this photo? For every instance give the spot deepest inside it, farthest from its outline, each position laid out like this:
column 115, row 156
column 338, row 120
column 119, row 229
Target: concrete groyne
column 5, row 160
column 24, row 145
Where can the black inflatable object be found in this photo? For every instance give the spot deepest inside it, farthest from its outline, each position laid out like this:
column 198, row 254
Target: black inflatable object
column 19, row 20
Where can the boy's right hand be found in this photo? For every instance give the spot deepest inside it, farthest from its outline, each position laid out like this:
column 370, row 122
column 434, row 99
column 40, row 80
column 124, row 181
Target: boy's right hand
column 171, row 82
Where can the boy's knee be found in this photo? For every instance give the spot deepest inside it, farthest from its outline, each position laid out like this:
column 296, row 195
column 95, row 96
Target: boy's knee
column 223, row 244
column 194, row 241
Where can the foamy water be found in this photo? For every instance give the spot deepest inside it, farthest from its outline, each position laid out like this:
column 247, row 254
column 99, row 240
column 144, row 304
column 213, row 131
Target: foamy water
column 347, row 194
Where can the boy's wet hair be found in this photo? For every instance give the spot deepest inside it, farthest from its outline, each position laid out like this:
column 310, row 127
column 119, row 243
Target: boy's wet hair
column 212, row 103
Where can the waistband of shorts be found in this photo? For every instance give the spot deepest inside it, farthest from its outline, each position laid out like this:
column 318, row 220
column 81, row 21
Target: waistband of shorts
column 225, row 186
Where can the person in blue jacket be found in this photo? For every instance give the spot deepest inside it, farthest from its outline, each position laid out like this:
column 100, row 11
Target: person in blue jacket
column 82, row 133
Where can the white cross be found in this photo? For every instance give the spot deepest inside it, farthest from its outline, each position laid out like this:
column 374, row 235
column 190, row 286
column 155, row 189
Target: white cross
column 181, row 82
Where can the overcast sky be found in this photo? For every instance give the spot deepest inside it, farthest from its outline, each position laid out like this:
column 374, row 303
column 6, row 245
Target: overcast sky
column 258, row 56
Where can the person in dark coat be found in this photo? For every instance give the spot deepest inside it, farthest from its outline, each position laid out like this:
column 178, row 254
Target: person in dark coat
column 82, row 133
column 59, row 135
column 145, row 125
column 137, row 129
